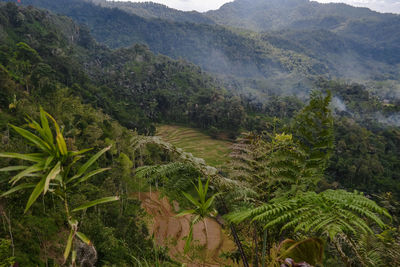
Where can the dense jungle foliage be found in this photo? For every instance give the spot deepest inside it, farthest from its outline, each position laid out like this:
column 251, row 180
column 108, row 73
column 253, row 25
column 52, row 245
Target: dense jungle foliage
column 132, row 85
column 315, row 182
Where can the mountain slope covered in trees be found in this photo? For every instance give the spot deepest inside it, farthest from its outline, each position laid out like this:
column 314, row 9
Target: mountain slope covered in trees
column 293, row 58
column 157, row 88
column 264, row 15
column 152, row 10
column 367, row 32
column 285, row 196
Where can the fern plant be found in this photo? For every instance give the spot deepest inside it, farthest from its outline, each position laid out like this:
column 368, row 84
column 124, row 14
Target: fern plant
column 273, row 166
column 313, row 128
column 242, row 159
column 285, row 168
column 53, row 170
column 330, row 214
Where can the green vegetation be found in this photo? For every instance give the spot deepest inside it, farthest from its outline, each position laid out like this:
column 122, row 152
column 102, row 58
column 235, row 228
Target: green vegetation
column 285, row 190
column 277, row 194
column 202, row 208
column 152, row 10
column 214, row 151
column 132, row 85
column 5, row 259
column 332, row 215
column 288, row 51
column 56, row 173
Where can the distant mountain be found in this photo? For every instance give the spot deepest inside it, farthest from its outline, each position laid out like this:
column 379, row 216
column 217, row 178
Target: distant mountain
column 369, row 33
column 214, row 48
column 264, row 15
column 152, row 10
column 133, row 85
column 282, row 47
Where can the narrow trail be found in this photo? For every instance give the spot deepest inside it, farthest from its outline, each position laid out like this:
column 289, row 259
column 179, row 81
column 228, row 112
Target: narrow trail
column 170, row 230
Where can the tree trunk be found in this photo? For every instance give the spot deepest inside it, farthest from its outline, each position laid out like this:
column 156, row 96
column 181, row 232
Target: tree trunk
column 239, row 245
column 255, row 261
column 236, row 237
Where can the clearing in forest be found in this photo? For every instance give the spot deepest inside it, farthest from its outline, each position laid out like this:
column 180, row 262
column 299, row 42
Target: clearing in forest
column 215, row 152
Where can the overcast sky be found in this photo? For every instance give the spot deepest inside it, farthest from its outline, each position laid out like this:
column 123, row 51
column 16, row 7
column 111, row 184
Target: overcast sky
column 392, row 6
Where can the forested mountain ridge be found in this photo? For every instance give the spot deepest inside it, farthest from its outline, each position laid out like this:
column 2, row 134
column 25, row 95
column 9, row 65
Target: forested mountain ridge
column 368, row 32
column 157, row 88
column 264, row 15
column 363, row 46
column 139, row 88
column 366, row 28
column 71, row 176
column 48, row 61
column 216, row 49
column 155, row 10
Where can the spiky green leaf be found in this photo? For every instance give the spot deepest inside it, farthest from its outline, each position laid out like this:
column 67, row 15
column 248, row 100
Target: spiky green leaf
column 13, row 168
column 40, row 143
column 69, row 245
column 89, row 163
column 95, row 202
column 34, row 157
column 17, row 188
column 84, row 238
column 52, row 175
column 35, row 193
column 87, row 176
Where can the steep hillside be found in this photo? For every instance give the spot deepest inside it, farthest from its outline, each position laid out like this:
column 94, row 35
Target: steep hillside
column 48, row 61
column 368, row 33
column 335, row 40
column 263, row 15
column 133, row 85
column 154, row 10
column 170, row 230
column 72, row 180
column 214, row 48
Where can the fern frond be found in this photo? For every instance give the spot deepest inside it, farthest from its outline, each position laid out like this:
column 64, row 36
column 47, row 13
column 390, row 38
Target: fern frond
column 328, row 213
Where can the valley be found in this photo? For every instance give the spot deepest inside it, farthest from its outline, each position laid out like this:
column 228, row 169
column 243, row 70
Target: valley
column 264, row 133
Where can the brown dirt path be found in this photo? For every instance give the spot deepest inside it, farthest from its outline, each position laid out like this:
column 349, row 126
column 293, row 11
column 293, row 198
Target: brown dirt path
column 170, row 230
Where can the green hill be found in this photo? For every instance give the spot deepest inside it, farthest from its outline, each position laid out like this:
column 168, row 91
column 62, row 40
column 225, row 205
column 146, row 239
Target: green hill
column 264, row 15
column 107, row 102
column 334, row 41
column 132, row 84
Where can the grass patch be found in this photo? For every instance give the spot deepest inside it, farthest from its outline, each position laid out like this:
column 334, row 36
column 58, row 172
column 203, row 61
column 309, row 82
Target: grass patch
column 214, row 152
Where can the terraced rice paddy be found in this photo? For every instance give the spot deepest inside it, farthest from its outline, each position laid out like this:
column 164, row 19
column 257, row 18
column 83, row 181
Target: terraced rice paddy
column 214, row 152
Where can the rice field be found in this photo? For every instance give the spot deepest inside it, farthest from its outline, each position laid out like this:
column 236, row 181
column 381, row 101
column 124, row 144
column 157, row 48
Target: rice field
column 214, row 152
